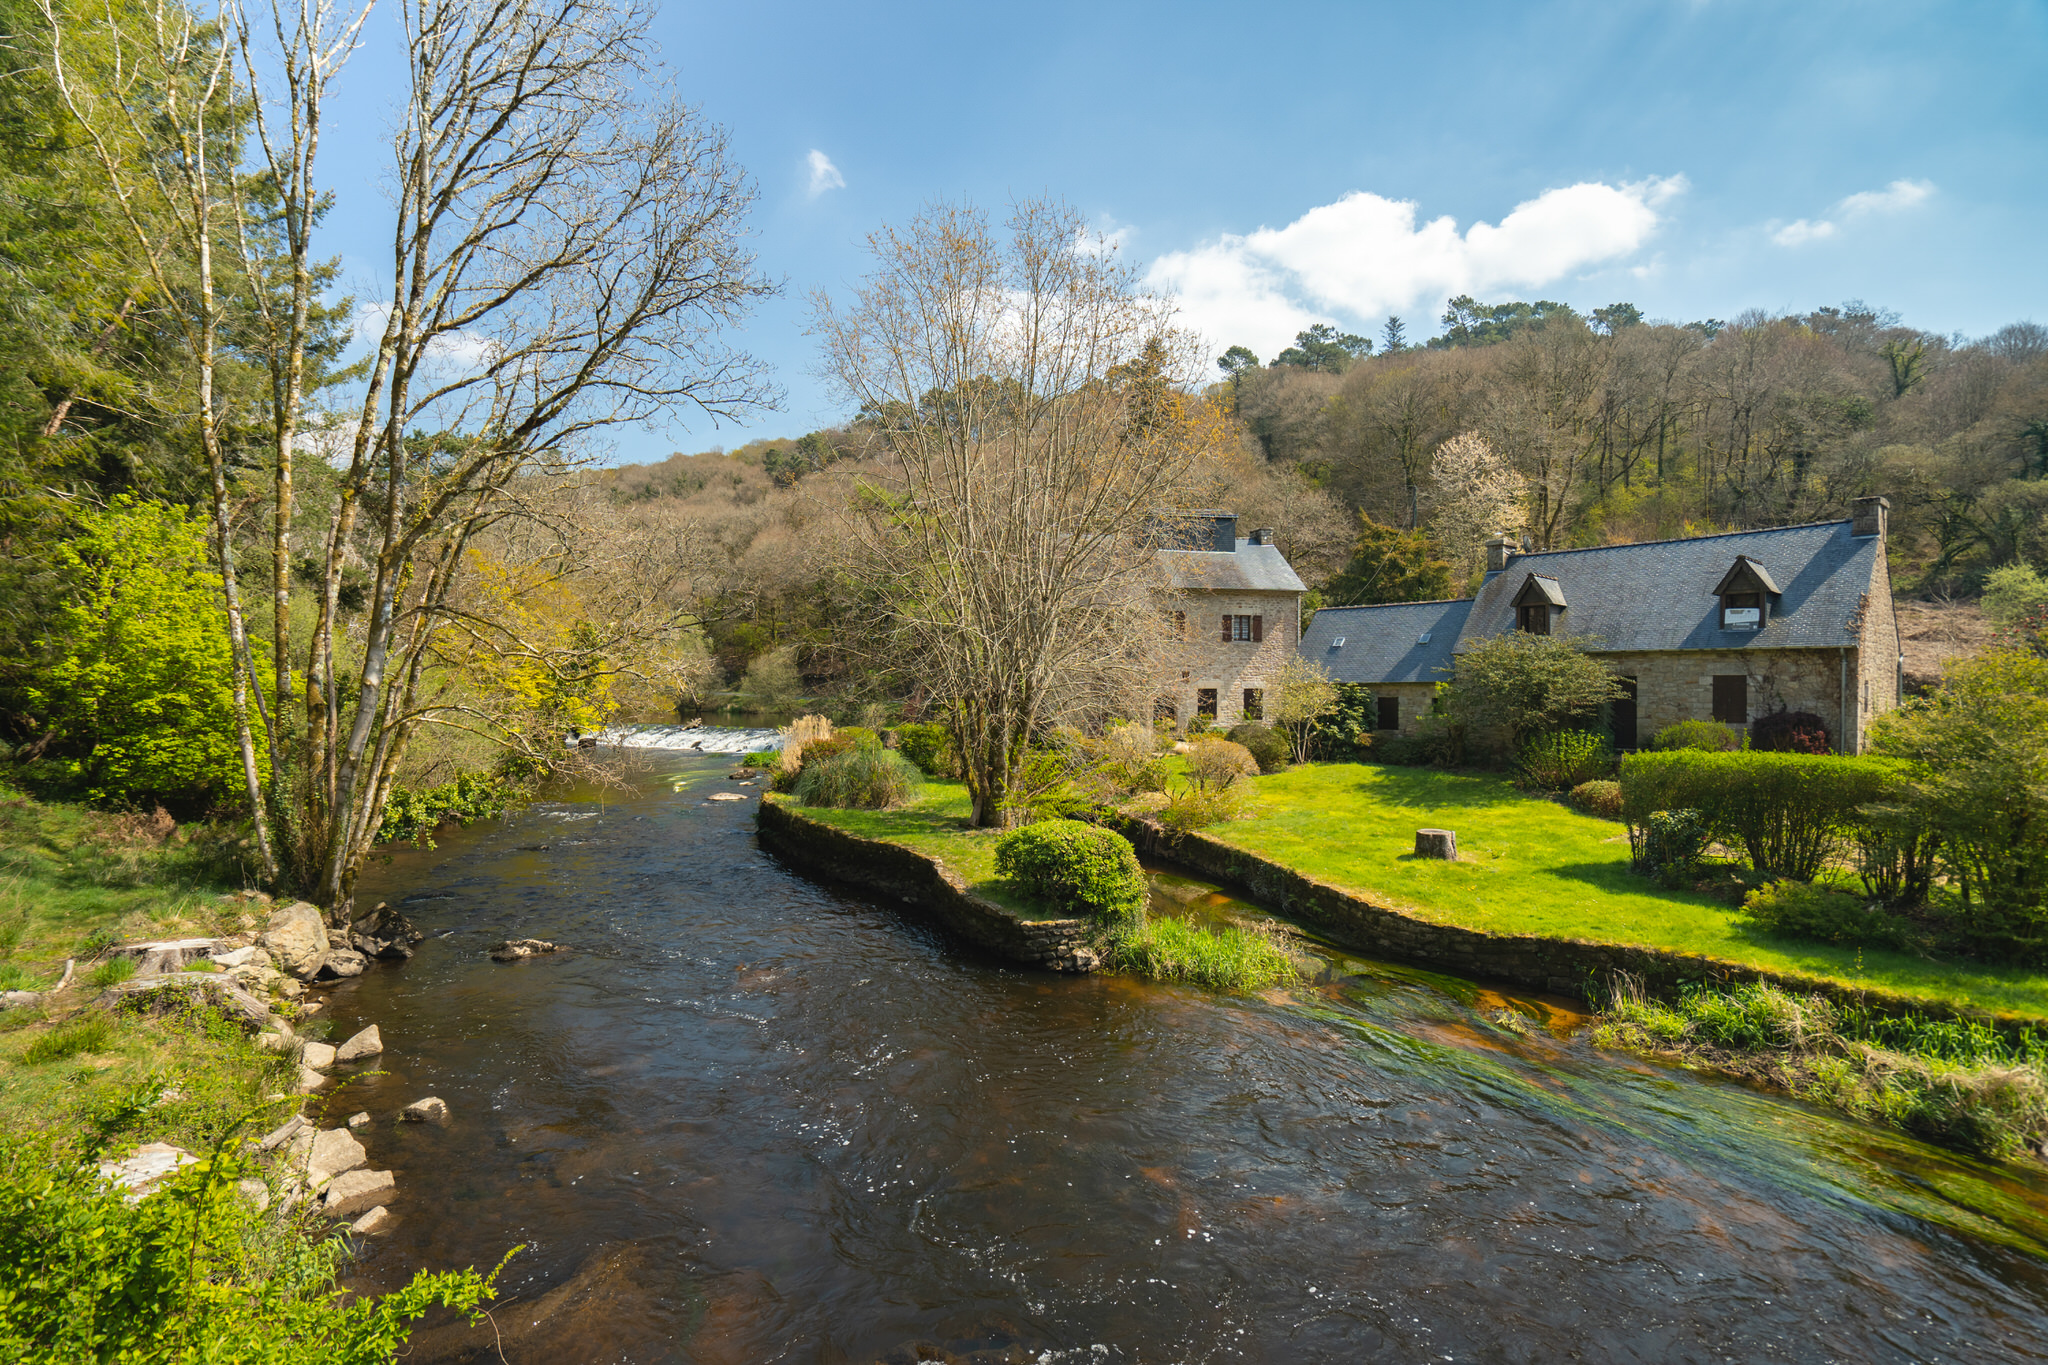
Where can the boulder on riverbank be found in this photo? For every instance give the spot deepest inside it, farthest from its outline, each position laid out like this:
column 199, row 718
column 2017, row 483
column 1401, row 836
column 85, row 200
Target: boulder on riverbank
column 296, row 938
column 514, row 949
column 432, row 1109
column 368, row 1043
column 356, row 1191
column 384, row 933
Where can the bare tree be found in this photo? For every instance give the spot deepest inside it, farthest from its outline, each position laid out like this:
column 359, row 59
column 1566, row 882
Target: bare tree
column 1479, row 494
column 564, row 257
column 1022, row 393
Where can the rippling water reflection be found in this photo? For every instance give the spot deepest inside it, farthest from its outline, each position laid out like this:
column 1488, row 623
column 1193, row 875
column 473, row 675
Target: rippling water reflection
column 754, row 1119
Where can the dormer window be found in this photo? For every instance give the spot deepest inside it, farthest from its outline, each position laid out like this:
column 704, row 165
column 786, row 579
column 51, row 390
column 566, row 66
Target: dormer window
column 1745, row 591
column 1538, row 605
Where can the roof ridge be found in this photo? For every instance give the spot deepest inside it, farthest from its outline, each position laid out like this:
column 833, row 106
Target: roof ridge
column 1375, row 606
column 1680, row 540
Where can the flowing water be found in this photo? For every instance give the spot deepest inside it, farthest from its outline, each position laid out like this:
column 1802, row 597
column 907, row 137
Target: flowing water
column 752, row 1118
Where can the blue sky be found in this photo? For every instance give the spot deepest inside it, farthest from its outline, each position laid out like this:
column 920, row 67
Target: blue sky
column 1287, row 163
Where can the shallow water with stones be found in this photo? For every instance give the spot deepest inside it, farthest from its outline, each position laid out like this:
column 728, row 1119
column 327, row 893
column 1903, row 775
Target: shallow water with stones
column 753, row 1118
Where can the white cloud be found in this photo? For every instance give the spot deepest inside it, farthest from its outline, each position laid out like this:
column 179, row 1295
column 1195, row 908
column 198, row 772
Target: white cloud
column 1899, row 195
column 824, row 175
column 465, row 350
column 1364, row 256
column 1799, row 232
column 1896, row 197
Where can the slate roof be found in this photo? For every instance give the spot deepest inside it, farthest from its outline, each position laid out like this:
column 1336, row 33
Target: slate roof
column 1248, row 568
column 1384, row 644
column 1660, row 595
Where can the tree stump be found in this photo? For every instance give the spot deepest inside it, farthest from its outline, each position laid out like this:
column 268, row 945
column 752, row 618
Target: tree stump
column 1437, row 843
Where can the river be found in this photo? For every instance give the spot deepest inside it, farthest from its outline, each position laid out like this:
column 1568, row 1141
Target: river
column 752, row 1118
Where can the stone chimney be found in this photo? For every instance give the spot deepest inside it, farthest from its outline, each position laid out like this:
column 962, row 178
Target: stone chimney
column 1263, row 536
column 1499, row 551
column 1869, row 516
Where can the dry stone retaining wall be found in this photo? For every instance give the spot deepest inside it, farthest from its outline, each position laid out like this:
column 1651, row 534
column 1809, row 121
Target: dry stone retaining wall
column 818, row 849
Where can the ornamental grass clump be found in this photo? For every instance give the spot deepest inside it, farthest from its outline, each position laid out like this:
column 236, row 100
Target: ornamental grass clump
column 1076, row 869
column 1600, row 797
column 858, row 777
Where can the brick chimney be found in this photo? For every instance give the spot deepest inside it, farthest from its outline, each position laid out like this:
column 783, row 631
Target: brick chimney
column 1499, row 551
column 1869, row 516
column 1263, row 536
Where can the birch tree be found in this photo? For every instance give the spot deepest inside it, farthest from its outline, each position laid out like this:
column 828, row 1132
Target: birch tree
column 1021, row 391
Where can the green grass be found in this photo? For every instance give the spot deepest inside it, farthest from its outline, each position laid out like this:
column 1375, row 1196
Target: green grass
column 936, row 825
column 1954, row 1083
column 73, row 880
column 1231, row 958
column 112, row 972
column 1530, row 866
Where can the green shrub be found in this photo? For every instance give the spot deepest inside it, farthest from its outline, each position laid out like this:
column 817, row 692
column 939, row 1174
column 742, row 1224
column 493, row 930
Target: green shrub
column 1790, row 732
column 191, row 1273
column 762, row 758
column 1671, row 846
column 1799, row 910
column 62, row 1044
column 1232, row 958
column 1076, row 869
column 1527, row 685
column 857, row 777
column 1710, row 735
column 930, row 747
column 14, row 977
column 1199, row 807
column 818, row 750
column 412, row 814
column 858, row 736
column 1788, row 812
column 1563, row 759
column 1600, row 797
column 1265, row 744
column 1345, row 731
column 112, row 972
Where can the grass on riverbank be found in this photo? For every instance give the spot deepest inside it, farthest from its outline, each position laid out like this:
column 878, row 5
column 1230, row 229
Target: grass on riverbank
column 1230, row 958
column 1955, row 1083
column 1531, row 866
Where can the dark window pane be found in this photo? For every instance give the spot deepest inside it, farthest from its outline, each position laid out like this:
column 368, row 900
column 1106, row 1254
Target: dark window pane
column 1389, row 712
column 1254, row 703
column 1205, row 702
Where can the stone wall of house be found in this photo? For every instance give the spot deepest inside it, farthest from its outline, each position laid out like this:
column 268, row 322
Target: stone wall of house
column 1877, row 688
column 1201, row 659
column 1415, row 700
column 1679, row 685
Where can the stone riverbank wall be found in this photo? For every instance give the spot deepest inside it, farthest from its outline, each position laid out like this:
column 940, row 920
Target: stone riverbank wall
column 1569, row 967
column 926, row 885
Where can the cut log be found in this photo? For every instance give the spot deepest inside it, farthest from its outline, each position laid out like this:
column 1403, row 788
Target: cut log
column 1437, row 843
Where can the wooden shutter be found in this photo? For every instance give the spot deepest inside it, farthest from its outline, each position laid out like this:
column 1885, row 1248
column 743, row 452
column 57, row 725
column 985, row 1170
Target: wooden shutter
column 1731, row 698
column 1258, row 629
column 1226, row 628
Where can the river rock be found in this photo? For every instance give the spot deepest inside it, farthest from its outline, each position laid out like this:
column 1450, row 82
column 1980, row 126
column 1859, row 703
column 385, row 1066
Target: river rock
column 375, row 1221
column 242, row 957
column 274, row 1042
column 356, row 1191
column 15, row 1000
column 310, row 1080
column 296, row 938
column 343, row 962
column 139, row 1174
column 384, row 933
column 368, row 1043
column 335, row 1152
column 432, row 1109
column 361, row 1120
column 319, row 1056
column 512, row 950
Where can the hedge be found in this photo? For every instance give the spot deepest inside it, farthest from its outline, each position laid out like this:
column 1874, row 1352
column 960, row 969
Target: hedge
column 1076, row 868
column 1788, row 812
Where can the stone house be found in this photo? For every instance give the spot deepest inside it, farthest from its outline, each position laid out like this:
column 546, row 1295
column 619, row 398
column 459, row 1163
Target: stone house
column 1729, row 627
column 1234, row 612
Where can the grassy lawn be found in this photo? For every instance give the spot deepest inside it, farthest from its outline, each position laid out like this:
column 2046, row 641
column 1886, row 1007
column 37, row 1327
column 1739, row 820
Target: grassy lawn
column 937, row 827
column 1530, row 866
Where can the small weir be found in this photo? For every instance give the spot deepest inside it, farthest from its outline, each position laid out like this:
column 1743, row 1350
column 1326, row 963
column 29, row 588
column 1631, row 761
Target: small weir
column 753, row 1118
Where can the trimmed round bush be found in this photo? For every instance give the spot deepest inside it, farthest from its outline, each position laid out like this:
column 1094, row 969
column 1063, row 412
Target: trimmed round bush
column 1077, row 869
column 1600, row 797
column 1265, row 744
column 857, row 778
column 1790, row 732
column 1710, row 735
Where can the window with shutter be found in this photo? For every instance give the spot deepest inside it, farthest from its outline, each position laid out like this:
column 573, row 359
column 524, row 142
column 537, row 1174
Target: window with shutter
column 1205, row 702
column 1258, row 629
column 1254, row 703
